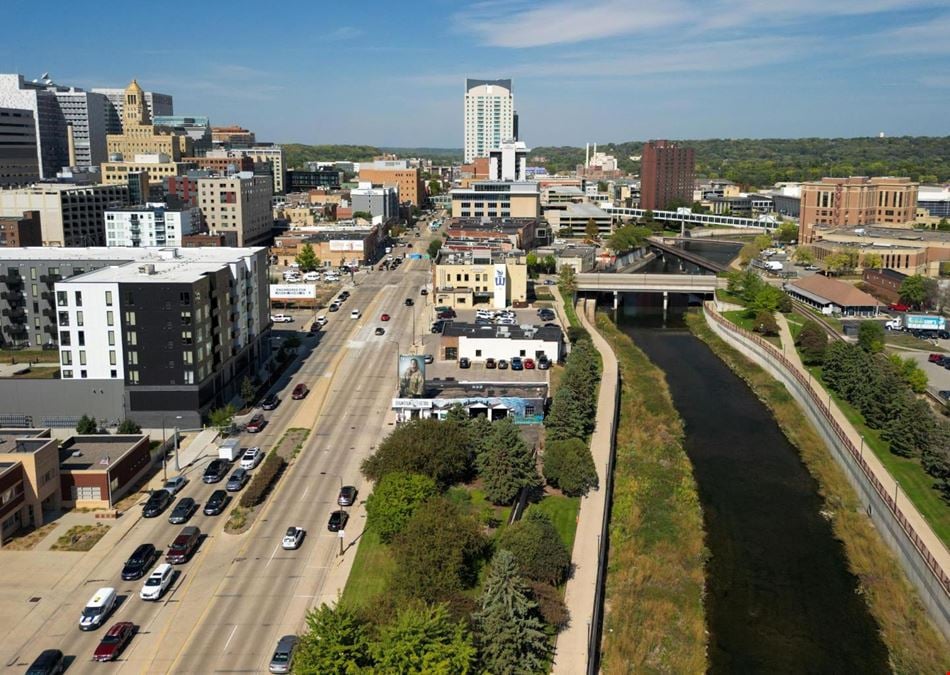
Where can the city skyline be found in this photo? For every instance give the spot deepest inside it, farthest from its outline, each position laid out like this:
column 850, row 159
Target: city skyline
column 603, row 71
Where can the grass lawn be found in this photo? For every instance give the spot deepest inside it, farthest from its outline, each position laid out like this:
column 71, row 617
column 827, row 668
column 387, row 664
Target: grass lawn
column 915, row 484
column 371, row 570
column 26, row 355
column 907, row 340
column 725, row 296
column 80, row 537
column 39, row 373
column 563, row 513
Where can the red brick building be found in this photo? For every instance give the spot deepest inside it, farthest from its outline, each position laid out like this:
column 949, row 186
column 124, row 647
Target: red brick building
column 667, row 174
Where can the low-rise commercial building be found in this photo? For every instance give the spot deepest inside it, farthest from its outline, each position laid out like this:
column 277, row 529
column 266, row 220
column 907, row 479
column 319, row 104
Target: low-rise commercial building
column 29, row 479
column 884, row 283
column 232, row 136
column 832, row 296
column 478, row 343
column 70, row 215
column 96, row 471
column 333, row 245
column 523, row 402
column 382, row 202
column 573, row 219
column 904, row 250
column 503, row 234
column 151, row 225
column 580, row 258
column 497, row 199
column 462, row 278
column 411, row 187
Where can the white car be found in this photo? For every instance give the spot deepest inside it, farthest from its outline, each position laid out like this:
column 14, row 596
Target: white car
column 251, row 458
column 282, row 318
column 355, row 314
column 157, row 583
column 173, row 485
column 311, row 276
column 321, row 320
column 293, row 537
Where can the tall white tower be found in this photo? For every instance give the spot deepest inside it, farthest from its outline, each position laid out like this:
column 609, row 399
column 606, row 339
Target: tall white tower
column 489, row 116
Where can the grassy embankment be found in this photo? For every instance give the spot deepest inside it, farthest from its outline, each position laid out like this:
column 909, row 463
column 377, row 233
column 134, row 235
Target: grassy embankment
column 655, row 619
column 913, row 644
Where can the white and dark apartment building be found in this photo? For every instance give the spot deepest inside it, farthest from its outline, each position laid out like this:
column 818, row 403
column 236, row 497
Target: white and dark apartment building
column 153, row 224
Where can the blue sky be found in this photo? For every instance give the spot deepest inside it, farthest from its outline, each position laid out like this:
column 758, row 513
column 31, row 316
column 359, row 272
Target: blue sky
column 392, row 74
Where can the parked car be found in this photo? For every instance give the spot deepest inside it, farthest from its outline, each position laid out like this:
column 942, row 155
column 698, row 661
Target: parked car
column 944, row 394
column 156, row 503
column 237, row 480
column 490, row 363
column 256, row 424
column 337, row 520
column 898, row 307
column 409, row 302
column 216, row 503
column 184, row 545
column 529, row 364
column 157, row 583
column 270, row 402
column 293, row 538
column 299, row 392
column 445, row 315
column 283, row 657
column 49, row 662
column 935, row 358
column 517, row 363
column 428, row 358
column 114, row 641
column 215, row 471
column 174, row 484
column 321, row 320
column 544, row 362
column 282, row 318
column 139, row 562
column 347, row 495
column 545, row 314
column 502, row 364
column 464, row 362
column 182, row 511
column 251, row 458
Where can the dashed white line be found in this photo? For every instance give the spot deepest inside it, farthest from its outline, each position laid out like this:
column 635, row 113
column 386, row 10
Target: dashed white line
column 230, row 637
column 271, row 559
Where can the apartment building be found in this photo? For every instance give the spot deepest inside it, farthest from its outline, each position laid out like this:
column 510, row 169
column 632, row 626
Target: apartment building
column 237, row 206
column 508, row 162
column 489, row 109
column 855, row 202
column 19, row 165
column 667, row 175
column 70, row 215
column 23, row 231
column 232, row 137
column 378, row 200
column 86, row 114
column 396, row 172
column 268, row 160
column 497, row 199
column 151, row 225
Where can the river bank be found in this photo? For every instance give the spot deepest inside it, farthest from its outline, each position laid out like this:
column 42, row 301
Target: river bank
column 912, row 644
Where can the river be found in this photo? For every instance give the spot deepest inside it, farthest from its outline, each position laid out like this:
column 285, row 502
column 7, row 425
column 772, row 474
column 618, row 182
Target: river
column 779, row 595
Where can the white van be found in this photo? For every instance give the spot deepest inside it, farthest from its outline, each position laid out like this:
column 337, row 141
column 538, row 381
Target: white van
column 157, row 582
column 311, row 276
column 100, row 605
column 292, row 276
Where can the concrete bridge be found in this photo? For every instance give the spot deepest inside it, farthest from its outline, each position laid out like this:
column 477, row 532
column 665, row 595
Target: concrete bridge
column 649, row 283
column 688, row 256
column 707, row 219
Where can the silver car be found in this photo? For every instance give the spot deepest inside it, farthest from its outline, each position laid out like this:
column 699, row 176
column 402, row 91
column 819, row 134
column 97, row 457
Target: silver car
column 283, row 654
column 237, row 480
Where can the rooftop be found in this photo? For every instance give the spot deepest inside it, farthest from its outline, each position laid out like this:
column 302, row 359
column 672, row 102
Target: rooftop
column 547, row 332
column 584, row 211
column 9, row 440
column 902, row 234
column 95, row 452
column 123, row 255
column 447, row 388
column 824, row 290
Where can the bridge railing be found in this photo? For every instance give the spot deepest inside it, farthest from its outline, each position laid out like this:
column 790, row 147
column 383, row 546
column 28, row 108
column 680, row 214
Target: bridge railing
column 823, row 407
column 705, row 283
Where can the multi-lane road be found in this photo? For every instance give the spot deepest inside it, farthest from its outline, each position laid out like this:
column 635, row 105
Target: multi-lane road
column 232, row 601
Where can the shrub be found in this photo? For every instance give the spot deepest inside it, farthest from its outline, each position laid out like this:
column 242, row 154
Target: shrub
column 263, row 480
column 87, row 425
column 538, row 549
column 568, row 465
column 441, row 450
column 765, row 323
column 812, row 341
column 395, row 499
column 128, row 426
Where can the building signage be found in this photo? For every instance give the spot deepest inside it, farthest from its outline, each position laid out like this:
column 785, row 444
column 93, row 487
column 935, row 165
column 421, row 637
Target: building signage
column 293, row 291
column 346, row 244
column 418, row 404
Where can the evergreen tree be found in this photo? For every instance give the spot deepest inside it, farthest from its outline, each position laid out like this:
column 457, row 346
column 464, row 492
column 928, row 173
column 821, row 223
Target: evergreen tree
column 569, row 466
column 510, row 633
column 424, row 639
column 507, row 465
column 335, row 642
column 566, row 418
column 537, row 547
column 871, row 336
column 812, row 341
column 128, row 427
column 87, row 425
column 247, row 390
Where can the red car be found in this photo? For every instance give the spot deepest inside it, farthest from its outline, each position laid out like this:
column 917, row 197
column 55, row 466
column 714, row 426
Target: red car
column 256, row 424
column 299, row 392
column 529, row 364
column 898, row 307
column 384, row 317
column 935, row 358
column 114, row 641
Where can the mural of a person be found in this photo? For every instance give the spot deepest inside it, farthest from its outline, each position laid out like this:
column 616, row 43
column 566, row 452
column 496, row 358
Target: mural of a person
column 412, row 382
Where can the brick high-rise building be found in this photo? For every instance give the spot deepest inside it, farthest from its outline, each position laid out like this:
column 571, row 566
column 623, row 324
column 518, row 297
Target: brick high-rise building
column 667, row 173
column 855, row 201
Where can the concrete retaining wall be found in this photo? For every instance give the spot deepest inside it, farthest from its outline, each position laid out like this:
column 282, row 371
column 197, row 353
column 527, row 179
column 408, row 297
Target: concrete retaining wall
column 878, row 500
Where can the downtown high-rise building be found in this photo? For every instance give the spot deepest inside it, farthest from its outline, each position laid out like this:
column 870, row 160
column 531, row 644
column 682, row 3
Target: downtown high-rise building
column 155, row 104
column 667, row 174
column 489, row 116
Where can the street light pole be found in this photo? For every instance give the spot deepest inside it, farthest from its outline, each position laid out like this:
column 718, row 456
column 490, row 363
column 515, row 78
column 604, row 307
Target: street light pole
column 164, row 453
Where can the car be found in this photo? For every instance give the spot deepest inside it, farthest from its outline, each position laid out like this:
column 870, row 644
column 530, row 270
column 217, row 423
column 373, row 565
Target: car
column 281, row 318
column 215, row 471
column 49, row 662
column 445, row 315
column 270, row 402
column 482, row 322
column 428, row 358
column 517, row 363
column 182, row 511
column 237, row 480
column 544, row 363
column 355, row 314
column 311, row 276
column 184, row 545
column 321, row 320
column 157, row 583
column 139, row 562
column 337, row 520
column 380, row 330
column 174, row 484
column 502, row 364
column 347, row 495
column 529, row 364
column 314, row 328
column 898, row 306
column 251, row 458
column 546, row 315
column 935, row 358
column 157, row 502
column 114, row 641
column 256, row 424
column 943, row 334
column 334, row 306
column 409, row 302
column 464, row 362
column 299, row 392
column 283, row 656
column 944, row 394
column 438, row 326
column 491, row 363
column 216, row 503
column 292, row 538
column 812, row 268
column 549, row 282
column 344, row 295
column 506, row 321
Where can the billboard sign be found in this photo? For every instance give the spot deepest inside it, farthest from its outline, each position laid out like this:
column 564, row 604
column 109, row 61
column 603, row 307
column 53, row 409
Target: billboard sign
column 293, row 291
column 412, row 375
column 346, row 245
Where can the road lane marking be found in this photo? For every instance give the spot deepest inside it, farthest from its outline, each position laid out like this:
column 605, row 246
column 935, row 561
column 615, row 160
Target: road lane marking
column 305, row 493
column 276, row 548
column 230, row 637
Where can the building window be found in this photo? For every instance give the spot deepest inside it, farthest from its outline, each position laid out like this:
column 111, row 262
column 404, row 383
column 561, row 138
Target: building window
column 478, row 352
column 108, row 298
column 65, row 338
column 66, row 374
column 61, row 298
column 130, row 318
column 111, row 357
column 133, row 358
column 112, row 338
column 82, row 374
column 86, row 493
column 79, row 319
column 133, row 377
column 66, row 358
column 82, row 357
column 110, row 318
column 78, row 298
column 64, row 318
column 82, row 338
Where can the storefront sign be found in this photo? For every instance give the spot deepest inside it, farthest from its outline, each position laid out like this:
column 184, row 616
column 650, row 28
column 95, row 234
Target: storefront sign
column 293, row 291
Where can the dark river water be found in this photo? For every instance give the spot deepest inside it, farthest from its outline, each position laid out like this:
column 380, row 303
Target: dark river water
column 780, row 598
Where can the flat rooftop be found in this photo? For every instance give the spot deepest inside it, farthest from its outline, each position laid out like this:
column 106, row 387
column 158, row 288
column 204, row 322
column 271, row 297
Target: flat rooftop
column 96, row 452
column 547, row 332
column 902, row 234
column 121, row 255
column 454, row 389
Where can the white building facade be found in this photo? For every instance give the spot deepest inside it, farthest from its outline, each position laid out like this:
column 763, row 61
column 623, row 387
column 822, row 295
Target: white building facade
column 508, row 162
column 151, row 225
column 489, row 116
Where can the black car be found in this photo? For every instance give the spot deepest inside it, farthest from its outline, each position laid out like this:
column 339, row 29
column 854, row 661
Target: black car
column 409, row 302
column 139, row 562
column 438, row 326
column 271, row 402
column 216, row 503
column 49, row 662
column 464, row 362
column 944, row 335
column 344, row 295
column 182, row 511
column 337, row 520
column 216, row 471
column 156, row 503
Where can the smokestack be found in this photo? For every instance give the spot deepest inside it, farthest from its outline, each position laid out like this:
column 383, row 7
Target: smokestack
column 587, row 156
column 71, row 144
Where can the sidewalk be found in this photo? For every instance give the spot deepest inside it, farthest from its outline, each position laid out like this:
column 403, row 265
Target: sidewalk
column 571, row 648
column 917, row 522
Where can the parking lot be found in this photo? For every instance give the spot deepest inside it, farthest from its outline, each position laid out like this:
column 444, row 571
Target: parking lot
column 938, row 377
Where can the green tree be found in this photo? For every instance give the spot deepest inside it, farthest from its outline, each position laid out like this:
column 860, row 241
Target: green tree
column 365, row 215
column 247, row 390
column 569, row 466
column 435, row 187
column 628, row 238
column 549, row 263
column 531, row 262
column 803, row 255
column 913, row 291
column 910, row 372
column 537, row 547
column 943, row 225
column 566, row 418
column 748, row 252
column 567, row 282
column 511, row 636
column 590, row 231
column 424, row 640
column 812, row 342
column 87, row 425
column 430, row 447
column 128, row 426
column 437, row 552
column 395, row 499
column 872, row 261
column 871, row 336
column 787, row 233
column 601, row 186
column 836, row 263
column 765, row 323
column 762, row 241
column 307, row 258
column 506, row 465
column 221, row 418
column 335, row 641
column 434, row 247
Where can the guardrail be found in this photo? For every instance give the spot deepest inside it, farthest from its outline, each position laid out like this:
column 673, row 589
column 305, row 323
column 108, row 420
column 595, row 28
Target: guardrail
column 889, row 500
